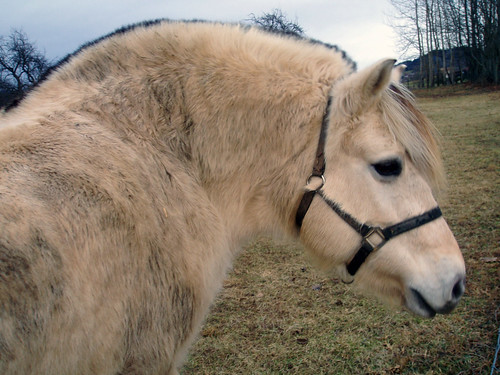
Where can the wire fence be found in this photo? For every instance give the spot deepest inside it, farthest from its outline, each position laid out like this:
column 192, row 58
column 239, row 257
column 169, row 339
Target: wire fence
column 494, row 368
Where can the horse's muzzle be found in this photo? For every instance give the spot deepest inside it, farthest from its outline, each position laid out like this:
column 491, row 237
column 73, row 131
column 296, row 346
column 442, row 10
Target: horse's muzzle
column 420, row 305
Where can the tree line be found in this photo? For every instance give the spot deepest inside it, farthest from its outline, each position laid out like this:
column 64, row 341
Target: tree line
column 453, row 39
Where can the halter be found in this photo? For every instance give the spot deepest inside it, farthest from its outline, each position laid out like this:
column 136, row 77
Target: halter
column 373, row 237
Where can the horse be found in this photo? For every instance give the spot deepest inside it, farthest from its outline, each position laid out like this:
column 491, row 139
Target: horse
column 134, row 173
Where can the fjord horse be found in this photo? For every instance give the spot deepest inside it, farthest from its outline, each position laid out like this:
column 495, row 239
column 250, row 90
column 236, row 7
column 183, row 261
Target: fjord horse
column 133, row 174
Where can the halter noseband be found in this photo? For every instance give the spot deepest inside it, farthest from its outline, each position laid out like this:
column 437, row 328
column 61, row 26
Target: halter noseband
column 373, row 237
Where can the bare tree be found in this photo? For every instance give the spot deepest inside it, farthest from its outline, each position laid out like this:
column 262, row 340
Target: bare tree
column 450, row 33
column 407, row 23
column 21, row 63
column 277, row 22
column 489, row 11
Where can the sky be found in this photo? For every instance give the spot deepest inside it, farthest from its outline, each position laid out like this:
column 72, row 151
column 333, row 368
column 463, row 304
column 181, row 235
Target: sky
column 58, row 27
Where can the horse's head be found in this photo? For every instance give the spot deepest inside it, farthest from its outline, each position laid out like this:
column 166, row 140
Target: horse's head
column 383, row 168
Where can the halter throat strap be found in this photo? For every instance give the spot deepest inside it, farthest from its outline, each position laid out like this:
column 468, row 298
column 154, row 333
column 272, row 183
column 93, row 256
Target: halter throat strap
column 373, row 237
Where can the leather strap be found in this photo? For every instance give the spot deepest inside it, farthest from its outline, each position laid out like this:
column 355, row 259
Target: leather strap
column 385, row 234
column 412, row 223
column 318, row 168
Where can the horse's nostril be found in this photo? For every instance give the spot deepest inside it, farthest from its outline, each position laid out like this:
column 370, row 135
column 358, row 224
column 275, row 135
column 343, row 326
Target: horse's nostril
column 458, row 289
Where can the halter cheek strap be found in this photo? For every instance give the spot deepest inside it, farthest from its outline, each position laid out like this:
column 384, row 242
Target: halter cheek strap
column 373, row 237
column 318, row 168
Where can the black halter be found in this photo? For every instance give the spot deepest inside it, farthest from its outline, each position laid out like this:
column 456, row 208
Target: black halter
column 373, row 237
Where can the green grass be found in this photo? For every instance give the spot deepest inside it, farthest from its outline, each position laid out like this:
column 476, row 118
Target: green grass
column 278, row 315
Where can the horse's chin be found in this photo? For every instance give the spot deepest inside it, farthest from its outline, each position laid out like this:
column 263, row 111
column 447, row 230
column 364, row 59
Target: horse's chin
column 418, row 305
column 394, row 293
column 341, row 273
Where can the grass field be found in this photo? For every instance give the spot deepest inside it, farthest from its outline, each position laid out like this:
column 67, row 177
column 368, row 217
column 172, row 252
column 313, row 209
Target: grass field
column 278, row 315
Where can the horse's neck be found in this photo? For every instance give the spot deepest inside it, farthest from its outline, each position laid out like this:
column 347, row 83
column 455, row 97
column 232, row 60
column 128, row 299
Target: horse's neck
column 253, row 172
column 248, row 133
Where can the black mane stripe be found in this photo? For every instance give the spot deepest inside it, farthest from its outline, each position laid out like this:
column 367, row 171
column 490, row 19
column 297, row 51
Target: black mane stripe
column 149, row 23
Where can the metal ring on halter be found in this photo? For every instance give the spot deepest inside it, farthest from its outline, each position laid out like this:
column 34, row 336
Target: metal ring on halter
column 323, row 181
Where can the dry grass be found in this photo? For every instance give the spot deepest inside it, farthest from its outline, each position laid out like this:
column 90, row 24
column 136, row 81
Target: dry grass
column 277, row 315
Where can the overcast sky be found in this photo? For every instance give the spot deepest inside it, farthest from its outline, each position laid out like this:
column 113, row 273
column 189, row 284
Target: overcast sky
column 58, row 27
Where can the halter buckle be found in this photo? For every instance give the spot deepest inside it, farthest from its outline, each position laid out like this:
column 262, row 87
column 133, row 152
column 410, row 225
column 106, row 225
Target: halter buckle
column 375, row 238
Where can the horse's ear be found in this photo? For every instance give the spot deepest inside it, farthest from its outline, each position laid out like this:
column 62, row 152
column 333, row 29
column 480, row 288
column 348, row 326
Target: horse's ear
column 361, row 89
column 397, row 73
column 378, row 78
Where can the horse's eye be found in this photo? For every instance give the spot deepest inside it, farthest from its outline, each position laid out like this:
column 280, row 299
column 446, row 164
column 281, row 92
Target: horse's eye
column 388, row 168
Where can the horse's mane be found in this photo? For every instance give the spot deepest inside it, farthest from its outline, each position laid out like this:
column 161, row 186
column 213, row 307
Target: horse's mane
column 415, row 132
column 149, row 23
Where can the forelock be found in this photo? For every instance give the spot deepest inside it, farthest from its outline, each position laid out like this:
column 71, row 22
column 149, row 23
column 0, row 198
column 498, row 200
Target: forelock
column 415, row 132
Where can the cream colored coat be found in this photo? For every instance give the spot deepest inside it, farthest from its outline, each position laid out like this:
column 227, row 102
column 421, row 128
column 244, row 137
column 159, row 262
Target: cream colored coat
column 132, row 176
